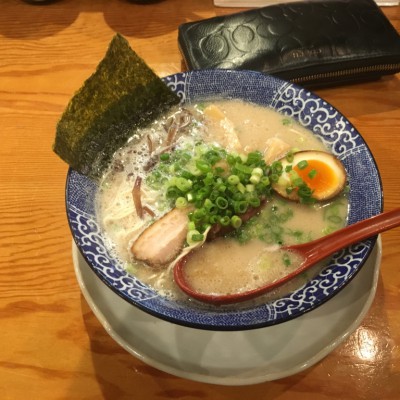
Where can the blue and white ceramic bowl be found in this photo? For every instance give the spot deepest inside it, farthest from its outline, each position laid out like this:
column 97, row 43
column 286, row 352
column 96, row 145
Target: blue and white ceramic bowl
column 326, row 122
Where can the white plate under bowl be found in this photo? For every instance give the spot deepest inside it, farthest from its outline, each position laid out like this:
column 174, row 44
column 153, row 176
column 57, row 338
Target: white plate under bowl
column 232, row 358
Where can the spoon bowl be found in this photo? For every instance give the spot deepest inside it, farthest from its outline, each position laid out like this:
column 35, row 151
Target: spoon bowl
column 310, row 253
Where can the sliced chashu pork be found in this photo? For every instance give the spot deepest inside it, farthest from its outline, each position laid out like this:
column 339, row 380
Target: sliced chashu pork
column 161, row 242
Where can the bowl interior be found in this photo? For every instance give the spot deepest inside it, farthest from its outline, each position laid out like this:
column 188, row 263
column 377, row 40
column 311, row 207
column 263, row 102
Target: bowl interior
column 365, row 200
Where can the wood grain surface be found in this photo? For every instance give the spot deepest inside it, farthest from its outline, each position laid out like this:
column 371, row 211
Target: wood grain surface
column 52, row 346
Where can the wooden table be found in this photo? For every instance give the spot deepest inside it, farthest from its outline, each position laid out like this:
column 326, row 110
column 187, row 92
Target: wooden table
column 52, row 346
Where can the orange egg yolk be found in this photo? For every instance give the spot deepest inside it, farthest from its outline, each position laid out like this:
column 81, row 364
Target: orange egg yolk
column 324, row 180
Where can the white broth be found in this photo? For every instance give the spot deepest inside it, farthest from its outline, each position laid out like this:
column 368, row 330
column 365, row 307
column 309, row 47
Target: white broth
column 224, row 266
column 235, row 263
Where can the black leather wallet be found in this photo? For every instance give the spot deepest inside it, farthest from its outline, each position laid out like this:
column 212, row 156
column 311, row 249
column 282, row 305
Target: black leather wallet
column 313, row 43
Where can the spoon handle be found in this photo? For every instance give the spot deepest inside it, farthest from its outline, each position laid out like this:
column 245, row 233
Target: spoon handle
column 327, row 245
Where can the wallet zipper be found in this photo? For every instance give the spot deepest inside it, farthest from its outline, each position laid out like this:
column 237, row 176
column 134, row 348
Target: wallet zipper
column 347, row 73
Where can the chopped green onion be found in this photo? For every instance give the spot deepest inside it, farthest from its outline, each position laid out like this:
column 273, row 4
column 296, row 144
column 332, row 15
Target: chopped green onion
column 286, row 260
column 288, row 168
column 238, row 196
column 274, row 178
column 213, row 219
column 289, row 189
column 241, row 187
column 297, row 181
column 183, row 184
column 202, row 193
column 307, row 200
column 164, row 157
column 257, row 171
column 199, row 214
column 236, row 221
column 242, row 176
column 253, row 158
column 214, row 195
column 210, row 206
column 186, row 174
column 173, row 192
column 243, row 168
column 221, row 203
column 312, row 174
column 243, row 157
column 255, row 179
column 197, row 237
column 241, row 206
column 203, row 166
column 250, row 188
column 189, row 197
column 277, row 167
column 225, row 221
column 304, row 191
column 302, row 164
column 200, row 149
column 231, row 159
column 233, row 180
column 221, row 188
column 181, row 202
column 254, row 202
column 193, row 237
column 213, row 156
column 290, row 156
column 209, row 179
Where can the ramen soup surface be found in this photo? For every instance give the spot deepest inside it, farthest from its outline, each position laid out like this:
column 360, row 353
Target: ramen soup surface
column 207, row 273
column 241, row 261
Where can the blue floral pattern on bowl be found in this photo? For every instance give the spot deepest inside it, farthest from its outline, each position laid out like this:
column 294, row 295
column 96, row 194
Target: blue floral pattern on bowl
column 365, row 200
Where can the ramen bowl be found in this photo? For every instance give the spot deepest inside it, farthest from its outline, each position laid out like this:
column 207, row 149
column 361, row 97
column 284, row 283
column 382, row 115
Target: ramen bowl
column 327, row 123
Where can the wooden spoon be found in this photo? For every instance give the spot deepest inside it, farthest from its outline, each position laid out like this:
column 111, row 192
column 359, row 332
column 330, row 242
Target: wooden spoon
column 311, row 253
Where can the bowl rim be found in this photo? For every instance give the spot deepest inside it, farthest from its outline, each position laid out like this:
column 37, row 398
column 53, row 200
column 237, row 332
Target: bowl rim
column 213, row 323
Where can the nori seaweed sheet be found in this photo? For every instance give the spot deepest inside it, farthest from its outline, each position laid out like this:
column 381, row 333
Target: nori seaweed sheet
column 121, row 96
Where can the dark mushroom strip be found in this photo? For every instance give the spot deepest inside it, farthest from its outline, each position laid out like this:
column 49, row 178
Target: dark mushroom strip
column 172, row 131
column 149, row 211
column 137, row 196
column 186, row 118
column 150, row 144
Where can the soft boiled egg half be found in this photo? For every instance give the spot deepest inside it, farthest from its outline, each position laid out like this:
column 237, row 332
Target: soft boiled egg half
column 322, row 172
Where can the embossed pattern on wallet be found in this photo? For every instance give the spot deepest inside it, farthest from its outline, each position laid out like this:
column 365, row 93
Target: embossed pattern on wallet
column 316, row 42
